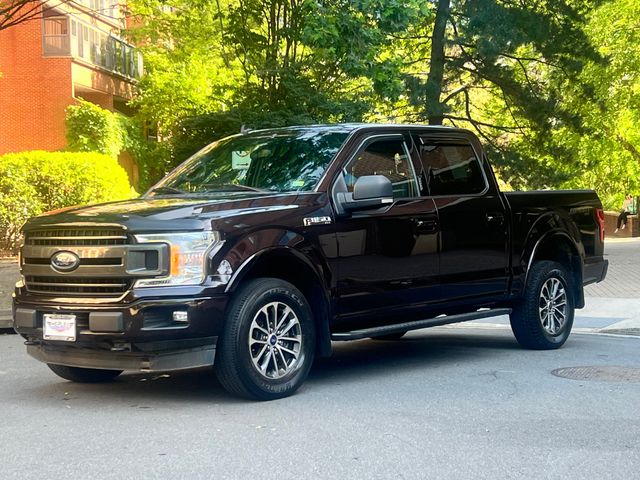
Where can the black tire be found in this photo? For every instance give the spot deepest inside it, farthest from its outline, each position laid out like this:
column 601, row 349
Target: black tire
column 238, row 365
column 84, row 375
column 533, row 311
column 390, row 336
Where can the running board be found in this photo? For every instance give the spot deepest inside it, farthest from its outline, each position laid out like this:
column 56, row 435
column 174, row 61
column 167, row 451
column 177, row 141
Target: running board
column 430, row 322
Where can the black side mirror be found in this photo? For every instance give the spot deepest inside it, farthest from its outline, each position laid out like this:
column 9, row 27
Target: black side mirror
column 372, row 186
column 370, row 191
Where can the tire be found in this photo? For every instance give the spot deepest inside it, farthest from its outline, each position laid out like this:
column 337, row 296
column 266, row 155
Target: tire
column 543, row 318
column 84, row 375
column 266, row 313
column 390, row 336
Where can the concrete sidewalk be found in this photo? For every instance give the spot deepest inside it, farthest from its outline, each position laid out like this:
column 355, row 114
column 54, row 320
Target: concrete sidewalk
column 619, row 316
column 8, row 277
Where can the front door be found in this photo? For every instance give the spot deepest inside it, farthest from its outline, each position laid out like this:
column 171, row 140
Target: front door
column 388, row 258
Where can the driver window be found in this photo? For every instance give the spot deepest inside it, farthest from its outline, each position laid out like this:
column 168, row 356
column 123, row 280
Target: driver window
column 388, row 158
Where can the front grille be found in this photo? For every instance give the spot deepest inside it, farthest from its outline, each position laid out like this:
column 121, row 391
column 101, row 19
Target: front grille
column 77, row 285
column 101, row 271
column 65, row 237
column 83, row 261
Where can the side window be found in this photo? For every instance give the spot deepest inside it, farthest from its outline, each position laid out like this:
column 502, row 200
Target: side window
column 388, row 158
column 451, row 169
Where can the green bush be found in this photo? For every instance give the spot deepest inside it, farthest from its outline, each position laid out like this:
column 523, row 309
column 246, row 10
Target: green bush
column 34, row 182
column 91, row 128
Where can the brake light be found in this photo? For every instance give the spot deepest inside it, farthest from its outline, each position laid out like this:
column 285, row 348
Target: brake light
column 600, row 218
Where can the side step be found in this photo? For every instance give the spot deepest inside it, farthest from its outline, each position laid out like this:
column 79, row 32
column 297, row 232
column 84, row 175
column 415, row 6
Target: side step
column 430, row 322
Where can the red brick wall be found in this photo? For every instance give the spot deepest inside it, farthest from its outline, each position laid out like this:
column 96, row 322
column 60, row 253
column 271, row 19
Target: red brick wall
column 34, row 91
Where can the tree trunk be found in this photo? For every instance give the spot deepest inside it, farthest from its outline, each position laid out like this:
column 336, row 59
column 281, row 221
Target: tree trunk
column 435, row 109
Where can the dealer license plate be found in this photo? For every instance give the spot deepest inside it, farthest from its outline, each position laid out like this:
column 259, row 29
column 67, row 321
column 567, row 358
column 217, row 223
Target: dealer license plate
column 59, row 327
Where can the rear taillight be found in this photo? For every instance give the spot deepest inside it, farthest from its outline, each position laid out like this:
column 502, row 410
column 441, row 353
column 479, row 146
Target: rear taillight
column 600, row 218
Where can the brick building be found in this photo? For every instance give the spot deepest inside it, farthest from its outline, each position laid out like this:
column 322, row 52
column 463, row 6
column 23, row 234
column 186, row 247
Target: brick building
column 72, row 49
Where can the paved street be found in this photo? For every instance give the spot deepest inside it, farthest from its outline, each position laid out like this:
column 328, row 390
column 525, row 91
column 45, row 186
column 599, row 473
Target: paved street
column 439, row 404
column 451, row 402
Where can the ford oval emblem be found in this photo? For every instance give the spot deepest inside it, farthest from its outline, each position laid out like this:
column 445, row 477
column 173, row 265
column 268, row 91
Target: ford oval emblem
column 65, row 261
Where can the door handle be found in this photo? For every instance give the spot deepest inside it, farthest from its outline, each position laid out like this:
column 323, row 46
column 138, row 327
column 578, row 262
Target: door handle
column 495, row 218
column 426, row 226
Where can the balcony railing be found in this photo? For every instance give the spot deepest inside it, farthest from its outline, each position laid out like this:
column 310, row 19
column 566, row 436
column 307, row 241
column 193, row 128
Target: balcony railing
column 64, row 36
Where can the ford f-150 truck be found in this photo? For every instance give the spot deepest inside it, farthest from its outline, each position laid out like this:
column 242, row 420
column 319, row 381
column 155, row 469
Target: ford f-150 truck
column 264, row 247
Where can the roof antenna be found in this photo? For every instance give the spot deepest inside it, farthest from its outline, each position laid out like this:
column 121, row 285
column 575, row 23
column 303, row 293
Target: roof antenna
column 244, row 129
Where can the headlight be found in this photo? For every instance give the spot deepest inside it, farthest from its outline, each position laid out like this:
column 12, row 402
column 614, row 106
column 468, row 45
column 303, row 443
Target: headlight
column 187, row 257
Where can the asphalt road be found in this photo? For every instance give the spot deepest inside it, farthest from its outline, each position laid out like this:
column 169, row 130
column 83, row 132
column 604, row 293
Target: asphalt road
column 442, row 403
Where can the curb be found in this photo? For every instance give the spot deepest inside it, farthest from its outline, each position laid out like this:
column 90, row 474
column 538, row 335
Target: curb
column 6, row 321
column 613, row 332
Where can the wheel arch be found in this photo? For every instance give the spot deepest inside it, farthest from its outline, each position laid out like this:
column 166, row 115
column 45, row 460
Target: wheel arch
column 557, row 246
column 293, row 266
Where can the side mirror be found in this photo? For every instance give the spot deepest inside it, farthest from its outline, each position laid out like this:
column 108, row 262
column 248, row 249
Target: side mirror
column 370, row 191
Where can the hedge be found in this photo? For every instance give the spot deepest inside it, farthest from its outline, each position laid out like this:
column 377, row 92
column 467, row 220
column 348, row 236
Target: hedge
column 35, row 182
column 91, row 128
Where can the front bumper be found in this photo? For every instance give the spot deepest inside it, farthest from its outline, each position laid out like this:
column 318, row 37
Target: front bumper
column 141, row 320
column 142, row 361
column 138, row 335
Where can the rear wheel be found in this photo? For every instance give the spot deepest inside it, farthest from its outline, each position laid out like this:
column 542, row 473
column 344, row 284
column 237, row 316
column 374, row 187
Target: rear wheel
column 542, row 320
column 84, row 375
column 268, row 343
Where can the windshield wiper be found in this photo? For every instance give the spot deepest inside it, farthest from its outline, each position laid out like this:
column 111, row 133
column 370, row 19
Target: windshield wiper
column 167, row 190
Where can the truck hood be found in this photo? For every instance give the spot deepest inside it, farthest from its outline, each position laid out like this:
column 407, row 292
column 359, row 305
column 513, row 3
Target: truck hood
column 174, row 212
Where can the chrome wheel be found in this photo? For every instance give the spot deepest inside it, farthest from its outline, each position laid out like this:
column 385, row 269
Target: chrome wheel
column 553, row 306
column 275, row 340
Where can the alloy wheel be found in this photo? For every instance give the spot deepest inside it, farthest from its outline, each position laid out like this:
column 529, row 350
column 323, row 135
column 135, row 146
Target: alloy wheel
column 553, row 306
column 275, row 340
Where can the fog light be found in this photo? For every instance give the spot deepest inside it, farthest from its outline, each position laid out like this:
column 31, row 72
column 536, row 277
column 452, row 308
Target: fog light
column 181, row 316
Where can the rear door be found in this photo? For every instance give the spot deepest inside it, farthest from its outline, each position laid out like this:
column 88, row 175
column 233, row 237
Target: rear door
column 472, row 217
column 388, row 257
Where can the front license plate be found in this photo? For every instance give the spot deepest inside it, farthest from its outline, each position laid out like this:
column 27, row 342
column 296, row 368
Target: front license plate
column 59, row 327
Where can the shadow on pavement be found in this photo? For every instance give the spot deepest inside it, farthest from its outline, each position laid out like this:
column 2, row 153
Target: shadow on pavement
column 351, row 361
column 370, row 358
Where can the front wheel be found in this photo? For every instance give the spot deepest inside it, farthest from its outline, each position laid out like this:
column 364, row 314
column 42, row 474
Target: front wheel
column 83, row 375
column 542, row 320
column 268, row 342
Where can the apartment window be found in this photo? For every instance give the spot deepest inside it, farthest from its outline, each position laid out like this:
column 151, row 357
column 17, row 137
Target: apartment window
column 55, row 34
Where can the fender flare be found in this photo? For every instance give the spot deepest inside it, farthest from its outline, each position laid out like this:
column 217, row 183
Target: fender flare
column 575, row 252
column 322, row 318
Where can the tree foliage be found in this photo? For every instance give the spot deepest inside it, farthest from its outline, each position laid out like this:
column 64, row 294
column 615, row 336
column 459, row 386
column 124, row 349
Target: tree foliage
column 268, row 62
column 91, row 128
column 551, row 86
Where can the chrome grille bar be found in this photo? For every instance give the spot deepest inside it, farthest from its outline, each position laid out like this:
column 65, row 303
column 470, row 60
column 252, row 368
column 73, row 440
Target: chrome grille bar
column 103, row 256
column 76, row 237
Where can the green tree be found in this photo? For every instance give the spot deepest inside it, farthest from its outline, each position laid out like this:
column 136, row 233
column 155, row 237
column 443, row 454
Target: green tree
column 607, row 98
column 500, row 68
column 267, row 62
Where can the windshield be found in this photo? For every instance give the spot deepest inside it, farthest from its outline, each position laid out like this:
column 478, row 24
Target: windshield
column 271, row 161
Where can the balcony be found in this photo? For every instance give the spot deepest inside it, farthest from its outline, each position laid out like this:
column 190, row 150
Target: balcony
column 67, row 36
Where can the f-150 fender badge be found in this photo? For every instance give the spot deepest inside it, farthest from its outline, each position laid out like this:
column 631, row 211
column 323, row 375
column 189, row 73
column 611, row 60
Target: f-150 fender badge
column 310, row 221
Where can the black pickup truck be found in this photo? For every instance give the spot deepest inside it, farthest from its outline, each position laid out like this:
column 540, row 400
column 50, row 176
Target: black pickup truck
column 263, row 248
